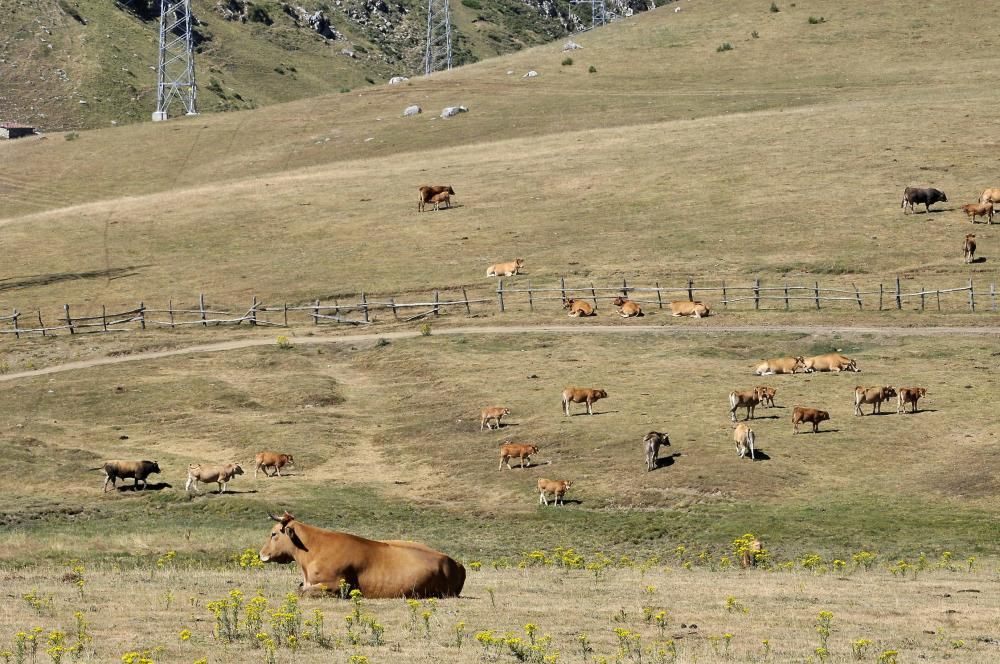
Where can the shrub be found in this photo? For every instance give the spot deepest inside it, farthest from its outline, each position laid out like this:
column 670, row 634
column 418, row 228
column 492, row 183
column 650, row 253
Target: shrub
column 815, row 21
column 724, row 46
column 345, row 89
column 592, row 69
column 472, row 4
column 755, row 34
column 259, row 15
column 425, row 330
column 774, row 8
column 567, row 62
column 72, row 136
column 284, row 343
column 382, row 342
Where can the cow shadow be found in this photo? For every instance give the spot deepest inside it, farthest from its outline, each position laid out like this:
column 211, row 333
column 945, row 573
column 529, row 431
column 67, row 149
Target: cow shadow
column 981, row 259
column 569, row 501
column 766, row 417
column 760, row 455
column 603, row 412
column 152, row 486
column 824, row 431
column 884, row 412
column 922, row 410
column 666, row 461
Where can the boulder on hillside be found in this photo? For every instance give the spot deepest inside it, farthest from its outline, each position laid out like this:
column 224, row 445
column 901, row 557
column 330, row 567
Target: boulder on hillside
column 396, row 80
column 451, row 111
column 410, row 111
column 571, row 46
column 530, row 74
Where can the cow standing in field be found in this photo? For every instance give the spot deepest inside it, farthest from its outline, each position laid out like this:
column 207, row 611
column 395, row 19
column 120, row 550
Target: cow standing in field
column 909, row 395
column 557, row 488
column 969, row 248
column 748, row 400
column 652, row 442
column 810, row 416
column 766, row 395
column 509, row 450
column 973, row 210
column 137, row 470
column 744, row 437
column 873, row 395
column 780, row 365
column 218, row 474
column 265, row 460
column 379, row 569
column 586, row 395
column 442, row 199
column 991, row 195
column 492, row 414
column 427, row 192
column 925, row 196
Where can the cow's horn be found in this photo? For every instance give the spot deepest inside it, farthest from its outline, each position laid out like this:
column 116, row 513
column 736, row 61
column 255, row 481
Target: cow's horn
column 274, row 518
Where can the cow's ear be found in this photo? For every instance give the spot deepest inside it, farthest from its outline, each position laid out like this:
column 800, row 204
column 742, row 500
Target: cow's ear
column 292, row 535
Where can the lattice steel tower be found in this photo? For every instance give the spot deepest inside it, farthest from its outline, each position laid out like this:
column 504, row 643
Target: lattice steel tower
column 598, row 12
column 438, row 53
column 175, row 68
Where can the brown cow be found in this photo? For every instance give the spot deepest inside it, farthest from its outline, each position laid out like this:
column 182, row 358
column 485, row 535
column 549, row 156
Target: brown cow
column 628, row 308
column 909, row 395
column 427, row 192
column 578, row 308
column 508, row 269
column 830, row 362
column 494, row 413
column 380, row 570
column 274, row 460
column 137, row 470
column 780, row 365
column 586, row 395
column 873, row 395
column 969, row 247
column 748, row 400
column 441, row 199
column 509, row 450
column 766, row 395
column 556, row 487
column 973, row 210
column 812, row 415
column 744, row 437
column 652, row 442
column 990, row 196
column 750, row 556
column 686, row 308
column 218, row 474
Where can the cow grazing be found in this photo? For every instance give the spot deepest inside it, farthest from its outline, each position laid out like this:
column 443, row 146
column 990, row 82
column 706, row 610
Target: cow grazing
column 780, row 365
column 909, row 395
column 973, row 210
column 442, row 199
column 969, row 247
column 830, row 362
column 218, row 474
column 509, row 450
column 652, row 442
column 578, row 308
column 586, row 395
column 990, row 196
column 137, row 470
column 427, row 192
column 494, row 414
column 766, row 395
column 557, row 488
column 380, row 570
column 926, row 196
column 265, row 460
column 508, row 269
column 627, row 308
column 748, row 400
column 686, row 308
column 873, row 395
column 744, row 437
column 808, row 415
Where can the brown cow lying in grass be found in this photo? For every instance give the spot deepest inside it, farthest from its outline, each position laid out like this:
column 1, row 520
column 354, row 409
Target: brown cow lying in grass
column 973, row 210
column 830, row 362
column 578, row 308
column 508, row 269
column 265, row 460
column 493, row 413
column 780, row 365
column 509, row 450
column 428, row 191
column 685, row 308
column 586, row 395
column 909, row 395
column 627, row 308
column 137, row 470
column 218, row 474
column 809, row 415
column 557, row 488
column 969, row 247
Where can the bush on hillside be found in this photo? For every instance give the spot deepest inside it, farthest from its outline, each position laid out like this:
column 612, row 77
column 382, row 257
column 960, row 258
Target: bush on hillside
column 724, row 46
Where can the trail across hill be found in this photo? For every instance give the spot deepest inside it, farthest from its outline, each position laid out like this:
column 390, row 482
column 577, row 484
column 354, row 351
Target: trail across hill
column 516, row 329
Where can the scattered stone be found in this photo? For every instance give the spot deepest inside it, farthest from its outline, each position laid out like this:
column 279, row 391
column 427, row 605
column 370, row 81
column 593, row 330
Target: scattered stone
column 530, row 74
column 396, row 80
column 348, row 52
column 453, row 110
column 510, row 72
column 410, row 111
column 571, row 46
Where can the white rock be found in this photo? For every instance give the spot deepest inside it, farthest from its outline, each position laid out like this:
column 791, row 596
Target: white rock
column 530, row 74
column 571, row 46
column 410, row 111
column 453, row 110
column 510, row 72
column 396, row 80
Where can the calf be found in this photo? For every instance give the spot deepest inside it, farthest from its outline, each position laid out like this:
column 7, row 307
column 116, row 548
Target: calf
column 586, row 395
column 556, row 487
column 780, row 365
column 969, row 247
column 137, row 470
column 973, row 210
column 686, row 308
column 627, row 308
column 652, row 442
column 494, row 413
column 744, row 437
column 909, row 395
column 509, row 450
column 507, row 269
column 442, row 199
column 766, row 395
column 926, row 196
column 265, row 460
column 219, row 474
column 748, row 400
column 810, row 415
column 873, row 395
column 578, row 308
column 427, row 192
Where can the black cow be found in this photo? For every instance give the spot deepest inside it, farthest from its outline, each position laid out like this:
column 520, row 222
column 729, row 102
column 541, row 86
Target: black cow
column 925, row 195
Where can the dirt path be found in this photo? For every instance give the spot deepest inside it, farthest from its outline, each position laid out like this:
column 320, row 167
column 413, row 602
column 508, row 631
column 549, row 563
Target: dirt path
column 514, row 329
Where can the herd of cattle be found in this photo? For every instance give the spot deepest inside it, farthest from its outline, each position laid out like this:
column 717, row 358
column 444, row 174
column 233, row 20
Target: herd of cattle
column 927, row 196
column 139, row 471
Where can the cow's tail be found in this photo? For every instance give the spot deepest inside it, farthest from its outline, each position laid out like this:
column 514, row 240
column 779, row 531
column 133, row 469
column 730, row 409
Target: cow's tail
column 732, row 400
column 98, row 468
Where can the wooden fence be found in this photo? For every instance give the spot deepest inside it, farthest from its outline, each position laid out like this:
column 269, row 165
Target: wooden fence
column 365, row 309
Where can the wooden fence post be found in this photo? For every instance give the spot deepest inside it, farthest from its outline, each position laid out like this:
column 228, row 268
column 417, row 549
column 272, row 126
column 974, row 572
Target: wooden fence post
column 993, row 298
column 921, row 298
column 786, row 296
column 624, row 288
column 285, row 311
column 857, row 294
column 201, row 305
column 170, row 310
column 69, row 321
column 972, row 297
column 690, row 291
column 939, row 299
column 468, row 309
column 817, row 293
column 104, row 317
column 756, row 293
column 142, row 315
column 562, row 287
column 253, row 312
column 17, row 333
column 531, row 301
column 316, row 313
column 899, row 299
column 364, row 305
column 725, row 298
column 40, row 323
column 500, row 295
column 593, row 294
column 437, row 298
column 659, row 296
column 880, row 291
column 395, row 312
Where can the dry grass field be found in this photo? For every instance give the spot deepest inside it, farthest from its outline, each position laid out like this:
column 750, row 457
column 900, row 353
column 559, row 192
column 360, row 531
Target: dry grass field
column 798, row 142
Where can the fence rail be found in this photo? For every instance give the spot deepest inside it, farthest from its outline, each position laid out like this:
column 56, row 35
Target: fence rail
column 365, row 310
